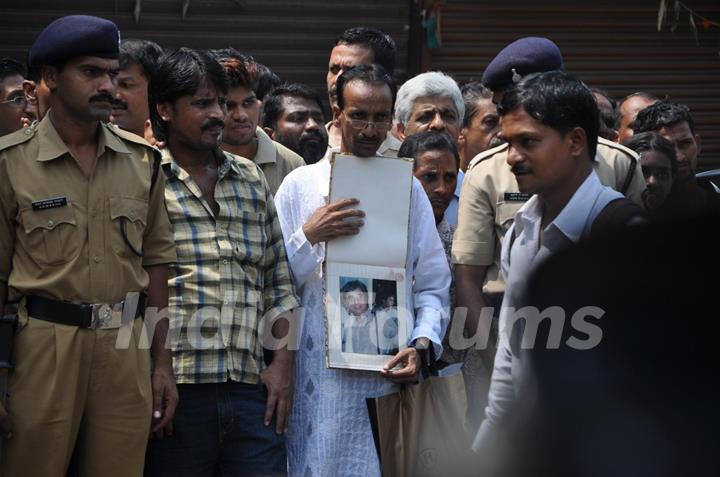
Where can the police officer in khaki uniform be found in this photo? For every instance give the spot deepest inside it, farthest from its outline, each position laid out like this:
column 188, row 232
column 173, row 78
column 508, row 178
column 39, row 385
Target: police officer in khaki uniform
column 490, row 196
column 83, row 236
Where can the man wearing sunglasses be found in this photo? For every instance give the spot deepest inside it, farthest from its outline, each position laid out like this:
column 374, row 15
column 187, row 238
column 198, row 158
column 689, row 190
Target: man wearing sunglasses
column 12, row 98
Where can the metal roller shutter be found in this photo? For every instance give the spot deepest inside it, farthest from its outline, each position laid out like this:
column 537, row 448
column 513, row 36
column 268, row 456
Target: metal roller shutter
column 611, row 44
column 292, row 37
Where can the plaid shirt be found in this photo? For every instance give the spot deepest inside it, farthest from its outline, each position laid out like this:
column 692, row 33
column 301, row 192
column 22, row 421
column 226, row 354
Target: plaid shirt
column 231, row 272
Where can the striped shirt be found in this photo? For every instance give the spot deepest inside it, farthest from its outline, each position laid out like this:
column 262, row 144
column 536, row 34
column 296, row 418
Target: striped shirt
column 231, row 273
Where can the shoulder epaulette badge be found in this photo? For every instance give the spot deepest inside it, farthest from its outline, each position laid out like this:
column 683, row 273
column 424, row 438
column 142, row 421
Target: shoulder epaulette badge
column 18, row 137
column 486, row 154
column 127, row 136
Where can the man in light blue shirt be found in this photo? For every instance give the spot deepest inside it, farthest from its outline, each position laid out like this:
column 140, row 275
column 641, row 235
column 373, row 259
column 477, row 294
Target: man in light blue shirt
column 550, row 121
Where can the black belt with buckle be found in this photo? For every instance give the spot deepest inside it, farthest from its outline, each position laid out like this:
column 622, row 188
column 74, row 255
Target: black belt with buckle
column 82, row 315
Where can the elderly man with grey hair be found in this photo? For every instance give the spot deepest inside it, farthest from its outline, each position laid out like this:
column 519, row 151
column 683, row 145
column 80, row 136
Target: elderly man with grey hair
column 429, row 102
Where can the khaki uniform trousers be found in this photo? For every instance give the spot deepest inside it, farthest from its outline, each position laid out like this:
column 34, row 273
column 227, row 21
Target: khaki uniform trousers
column 71, row 389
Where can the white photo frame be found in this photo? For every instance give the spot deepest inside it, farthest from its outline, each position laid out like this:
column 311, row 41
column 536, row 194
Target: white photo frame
column 367, row 336
column 364, row 339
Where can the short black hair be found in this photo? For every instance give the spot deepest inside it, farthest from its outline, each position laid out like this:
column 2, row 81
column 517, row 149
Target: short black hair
column 237, row 66
column 367, row 73
column 663, row 114
column 557, row 100
column 229, row 52
column 238, row 74
column 382, row 44
column 604, row 94
column 139, row 52
column 471, row 93
column 637, row 94
column 266, row 81
column 273, row 108
column 180, row 73
column 34, row 73
column 354, row 285
column 652, row 141
column 10, row 67
column 261, row 79
column 417, row 144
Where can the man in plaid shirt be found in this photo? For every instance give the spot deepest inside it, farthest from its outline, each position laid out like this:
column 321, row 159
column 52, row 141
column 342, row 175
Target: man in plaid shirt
column 231, row 275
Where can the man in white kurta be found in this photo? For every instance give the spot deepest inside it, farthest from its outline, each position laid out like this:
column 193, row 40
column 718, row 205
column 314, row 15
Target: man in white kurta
column 329, row 432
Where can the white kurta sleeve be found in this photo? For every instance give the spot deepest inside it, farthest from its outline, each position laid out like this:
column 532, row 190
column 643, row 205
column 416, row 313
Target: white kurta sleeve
column 431, row 289
column 302, row 256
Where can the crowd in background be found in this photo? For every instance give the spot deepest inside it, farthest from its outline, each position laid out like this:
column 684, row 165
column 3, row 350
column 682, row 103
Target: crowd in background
column 228, row 197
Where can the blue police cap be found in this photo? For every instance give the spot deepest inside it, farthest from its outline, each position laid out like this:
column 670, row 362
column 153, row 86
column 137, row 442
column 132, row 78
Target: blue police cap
column 72, row 36
column 521, row 58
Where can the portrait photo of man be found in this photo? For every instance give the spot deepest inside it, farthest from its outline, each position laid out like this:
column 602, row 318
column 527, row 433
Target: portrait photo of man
column 365, row 330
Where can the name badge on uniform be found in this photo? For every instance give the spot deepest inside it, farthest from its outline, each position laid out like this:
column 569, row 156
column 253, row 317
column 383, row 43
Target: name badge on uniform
column 49, row 203
column 517, row 197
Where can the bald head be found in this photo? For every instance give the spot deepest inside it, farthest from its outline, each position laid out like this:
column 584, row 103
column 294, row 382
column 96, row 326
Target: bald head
column 628, row 109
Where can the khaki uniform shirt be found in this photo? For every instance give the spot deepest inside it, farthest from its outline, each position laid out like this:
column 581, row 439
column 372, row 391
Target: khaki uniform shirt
column 490, row 198
column 60, row 231
column 275, row 160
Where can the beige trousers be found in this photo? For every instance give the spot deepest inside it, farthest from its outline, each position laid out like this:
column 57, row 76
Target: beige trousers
column 72, row 389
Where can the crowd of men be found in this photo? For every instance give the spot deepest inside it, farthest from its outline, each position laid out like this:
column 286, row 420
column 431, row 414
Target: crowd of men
column 135, row 180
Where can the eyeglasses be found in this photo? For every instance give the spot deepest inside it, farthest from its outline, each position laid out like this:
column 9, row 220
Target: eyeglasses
column 17, row 102
column 380, row 126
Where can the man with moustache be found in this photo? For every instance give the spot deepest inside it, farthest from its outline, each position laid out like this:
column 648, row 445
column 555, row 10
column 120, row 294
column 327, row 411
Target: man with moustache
column 130, row 109
column 85, row 245
column 242, row 135
column 363, row 115
column 430, row 101
column 292, row 115
column 360, row 46
column 551, row 123
column 231, row 278
column 490, row 196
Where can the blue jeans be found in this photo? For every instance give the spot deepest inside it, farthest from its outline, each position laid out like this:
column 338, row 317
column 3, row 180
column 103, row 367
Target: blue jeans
column 218, row 430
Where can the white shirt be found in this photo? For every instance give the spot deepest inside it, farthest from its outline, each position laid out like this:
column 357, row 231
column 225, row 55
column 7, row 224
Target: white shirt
column 428, row 286
column 521, row 254
column 317, row 420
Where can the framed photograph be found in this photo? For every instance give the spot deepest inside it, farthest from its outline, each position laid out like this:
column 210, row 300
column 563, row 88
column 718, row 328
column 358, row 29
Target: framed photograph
column 366, row 318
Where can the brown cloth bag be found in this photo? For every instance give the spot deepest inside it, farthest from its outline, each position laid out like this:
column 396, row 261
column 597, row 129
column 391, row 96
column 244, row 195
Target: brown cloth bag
column 420, row 430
